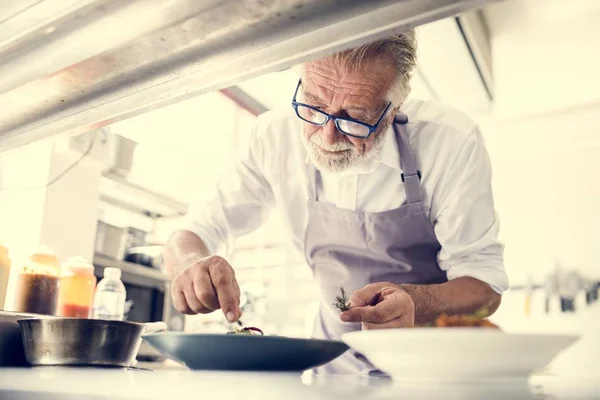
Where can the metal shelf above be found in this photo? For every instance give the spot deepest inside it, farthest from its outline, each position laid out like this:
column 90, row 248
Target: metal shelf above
column 134, row 274
column 168, row 52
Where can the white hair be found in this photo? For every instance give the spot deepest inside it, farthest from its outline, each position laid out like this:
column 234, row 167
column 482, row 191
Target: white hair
column 400, row 50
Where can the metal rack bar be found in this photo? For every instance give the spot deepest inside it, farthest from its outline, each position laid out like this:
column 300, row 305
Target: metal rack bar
column 67, row 70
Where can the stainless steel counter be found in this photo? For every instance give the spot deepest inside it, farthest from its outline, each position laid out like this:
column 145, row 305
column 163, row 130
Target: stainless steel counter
column 63, row 383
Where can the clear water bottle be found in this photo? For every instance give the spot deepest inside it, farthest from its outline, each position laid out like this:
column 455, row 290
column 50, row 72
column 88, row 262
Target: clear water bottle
column 109, row 301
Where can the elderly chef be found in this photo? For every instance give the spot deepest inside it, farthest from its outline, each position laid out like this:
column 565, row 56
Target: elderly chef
column 387, row 197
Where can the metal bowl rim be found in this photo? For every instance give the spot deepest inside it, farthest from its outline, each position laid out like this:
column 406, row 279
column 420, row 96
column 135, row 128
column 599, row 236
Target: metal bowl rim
column 55, row 319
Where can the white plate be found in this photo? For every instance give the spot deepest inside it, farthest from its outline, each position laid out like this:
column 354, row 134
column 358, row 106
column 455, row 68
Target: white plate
column 456, row 354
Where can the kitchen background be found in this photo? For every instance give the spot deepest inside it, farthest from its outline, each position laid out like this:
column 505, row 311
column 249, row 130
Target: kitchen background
column 524, row 69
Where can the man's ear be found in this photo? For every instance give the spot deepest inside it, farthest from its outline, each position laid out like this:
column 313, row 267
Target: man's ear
column 393, row 113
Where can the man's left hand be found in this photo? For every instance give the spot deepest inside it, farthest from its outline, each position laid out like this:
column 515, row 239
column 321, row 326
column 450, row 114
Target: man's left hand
column 381, row 305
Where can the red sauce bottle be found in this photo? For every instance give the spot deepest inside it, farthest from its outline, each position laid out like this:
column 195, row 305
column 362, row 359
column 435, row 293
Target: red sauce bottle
column 77, row 286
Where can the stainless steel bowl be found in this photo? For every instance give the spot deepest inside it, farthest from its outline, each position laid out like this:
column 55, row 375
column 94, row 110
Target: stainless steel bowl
column 11, row 342
column 89, row 342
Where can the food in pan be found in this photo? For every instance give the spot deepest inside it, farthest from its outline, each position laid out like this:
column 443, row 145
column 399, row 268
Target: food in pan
column 246, row 330
column 453, row 321
column 475, row 320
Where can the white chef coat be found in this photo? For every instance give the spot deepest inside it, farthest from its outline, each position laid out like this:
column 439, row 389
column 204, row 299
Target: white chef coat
column 270, row 173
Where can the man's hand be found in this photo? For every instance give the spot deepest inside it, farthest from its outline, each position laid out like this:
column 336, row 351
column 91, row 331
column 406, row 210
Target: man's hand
column 208, row 284
column 381, row 305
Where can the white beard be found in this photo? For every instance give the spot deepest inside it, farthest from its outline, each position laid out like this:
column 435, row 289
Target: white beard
column 348, row 156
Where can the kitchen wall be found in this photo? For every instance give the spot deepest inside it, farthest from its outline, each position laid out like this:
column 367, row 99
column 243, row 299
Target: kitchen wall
column 546, row 192
column 544, row 55
column 21, row 208
column 545, row 184
column 544, row 141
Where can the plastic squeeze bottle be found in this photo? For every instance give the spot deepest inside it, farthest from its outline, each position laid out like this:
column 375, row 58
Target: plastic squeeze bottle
column 109, row 301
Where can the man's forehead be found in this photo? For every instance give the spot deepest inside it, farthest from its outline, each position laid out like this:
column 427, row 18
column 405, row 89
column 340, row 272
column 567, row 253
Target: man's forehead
column 326, row 78
column 338, row 68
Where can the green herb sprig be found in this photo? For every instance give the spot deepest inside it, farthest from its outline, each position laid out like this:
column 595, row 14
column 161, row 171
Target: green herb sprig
column 341, row 301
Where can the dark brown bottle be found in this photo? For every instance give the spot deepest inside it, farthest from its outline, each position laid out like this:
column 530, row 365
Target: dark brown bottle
column 37, row 284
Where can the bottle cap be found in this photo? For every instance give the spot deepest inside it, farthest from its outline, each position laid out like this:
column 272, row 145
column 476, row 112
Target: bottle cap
column 112, row 273
column 78, row 265
column 42, row 261
column 44, row 255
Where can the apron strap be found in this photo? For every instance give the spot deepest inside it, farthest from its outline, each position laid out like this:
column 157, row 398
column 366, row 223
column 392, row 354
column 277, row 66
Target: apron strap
column 411, row 175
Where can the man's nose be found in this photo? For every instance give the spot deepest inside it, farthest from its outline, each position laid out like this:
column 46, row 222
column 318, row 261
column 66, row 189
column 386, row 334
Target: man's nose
column 330, row 133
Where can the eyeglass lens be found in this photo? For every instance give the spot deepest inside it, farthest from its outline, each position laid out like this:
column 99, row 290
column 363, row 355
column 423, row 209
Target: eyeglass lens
column 311, row 115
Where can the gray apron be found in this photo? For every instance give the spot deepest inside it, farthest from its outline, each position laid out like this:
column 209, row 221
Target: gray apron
column 351, row 249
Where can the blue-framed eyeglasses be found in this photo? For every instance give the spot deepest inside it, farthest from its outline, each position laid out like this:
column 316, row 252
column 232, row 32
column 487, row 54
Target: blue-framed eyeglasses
column 348, row 126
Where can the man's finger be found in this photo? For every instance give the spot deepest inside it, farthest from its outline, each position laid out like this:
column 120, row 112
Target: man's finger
column 404, row 321
column 180, row 303
column 363, row 296
column 205, row 292
column 225, row 285
column 230, row 303
column 192, row 301
column 389, row 309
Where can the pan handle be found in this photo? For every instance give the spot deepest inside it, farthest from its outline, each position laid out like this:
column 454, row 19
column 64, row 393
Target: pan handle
column 152, row 327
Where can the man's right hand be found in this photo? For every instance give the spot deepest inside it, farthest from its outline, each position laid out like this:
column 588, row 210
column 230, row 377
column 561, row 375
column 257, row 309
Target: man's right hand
column 207, row 285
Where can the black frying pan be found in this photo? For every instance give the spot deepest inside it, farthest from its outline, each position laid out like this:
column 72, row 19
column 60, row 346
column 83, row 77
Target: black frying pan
column 245, row 352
